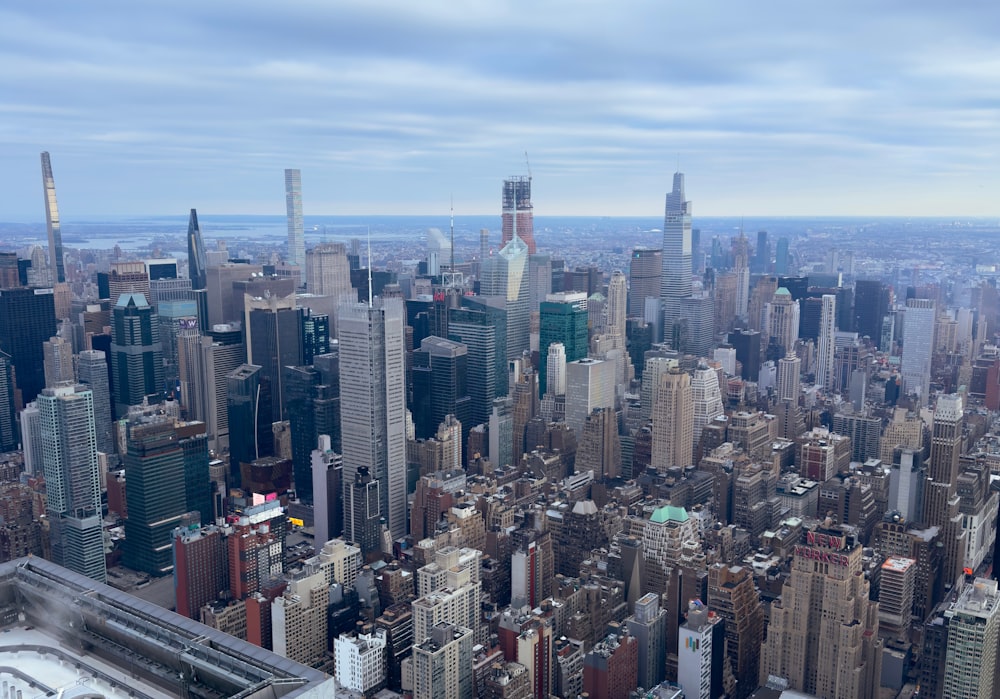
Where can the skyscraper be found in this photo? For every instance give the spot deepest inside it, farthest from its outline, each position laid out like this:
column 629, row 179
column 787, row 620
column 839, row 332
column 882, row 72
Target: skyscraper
column 440, row 386
column 442, row 663
column 827, row 342
column 221, row 352
column 27, row 320
column 8, row 411
column 941, row 501
column 56, row 262
column 762, row 258
column 92, row 366
column 154, row 471
column 732, row 595
column 617, row 305
column 312, row 405
column 701, row 653
column 706, row 396
column 517, row 207
column 57, row 359
column 645, row 274
column 248, row 393
column 73, row 488
column 136, row 353
column 673, row 421
column 562, row 319
column 781, row 256
column 871, row 304
column 918, row 346
column 590, row 384
column 973, row 626
column 197, row 260
column 555, row 369
column 482, row 330
column 823, row 637
column 328, row 272
column 789, row 369
column 676, row 281
column 782, row 321
column 741, row 266
column 373, row 403
column 505, row 277
column 293, row 206
column 274, row 340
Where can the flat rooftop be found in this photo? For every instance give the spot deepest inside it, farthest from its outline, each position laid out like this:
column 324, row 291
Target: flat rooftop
column 37, row 663
column 61, row 632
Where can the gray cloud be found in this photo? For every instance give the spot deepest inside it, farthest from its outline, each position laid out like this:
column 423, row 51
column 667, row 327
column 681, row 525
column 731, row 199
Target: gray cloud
column 389, row 107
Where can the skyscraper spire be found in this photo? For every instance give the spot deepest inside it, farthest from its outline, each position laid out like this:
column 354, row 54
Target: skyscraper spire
column 56, row 263
column 197, row 259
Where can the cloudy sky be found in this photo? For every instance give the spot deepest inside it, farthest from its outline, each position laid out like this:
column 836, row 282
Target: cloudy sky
column 392, row 106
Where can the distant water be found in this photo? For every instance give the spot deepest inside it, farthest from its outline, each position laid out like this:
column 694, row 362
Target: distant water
column 167, row 232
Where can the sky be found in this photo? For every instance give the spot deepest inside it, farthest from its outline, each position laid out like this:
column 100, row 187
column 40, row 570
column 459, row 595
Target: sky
column 398, row 107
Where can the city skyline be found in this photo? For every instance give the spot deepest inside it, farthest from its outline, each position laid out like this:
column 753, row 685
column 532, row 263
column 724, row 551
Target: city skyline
column 784, row 110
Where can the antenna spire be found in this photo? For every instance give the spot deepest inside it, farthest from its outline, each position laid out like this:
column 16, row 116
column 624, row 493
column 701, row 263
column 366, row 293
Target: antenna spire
column 452, row 270
column 370, row 304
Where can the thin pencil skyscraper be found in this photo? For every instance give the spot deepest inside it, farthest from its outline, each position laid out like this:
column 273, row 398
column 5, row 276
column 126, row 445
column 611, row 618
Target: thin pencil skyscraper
column 52, row 221
column 293, row 205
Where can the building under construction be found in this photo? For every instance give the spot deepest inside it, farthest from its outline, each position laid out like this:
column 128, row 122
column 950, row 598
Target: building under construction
column 517, row 198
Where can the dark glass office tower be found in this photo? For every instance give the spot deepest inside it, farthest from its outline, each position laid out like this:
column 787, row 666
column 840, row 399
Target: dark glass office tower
column 249, row 403
column 312, row 404
column 477, row 330
column 136, row 353
column 274, row 341
column 363, row 503
column 52, row 222
column 154, row 471
column 440, row 386
column 315, row 335
column 27, row 320
column 871, row 304
column 497, row 318
column 197, row 478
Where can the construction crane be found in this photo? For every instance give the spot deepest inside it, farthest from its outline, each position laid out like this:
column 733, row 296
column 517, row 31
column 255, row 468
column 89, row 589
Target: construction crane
column 528, row 163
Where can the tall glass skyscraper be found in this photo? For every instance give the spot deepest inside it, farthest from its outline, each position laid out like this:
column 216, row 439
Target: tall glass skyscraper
column 27, row 320
column 56, row 263
column 676, row 281
column 373, row 404
column 197, row 259
column 505, row 276
column 72, row 483
column 293, row 205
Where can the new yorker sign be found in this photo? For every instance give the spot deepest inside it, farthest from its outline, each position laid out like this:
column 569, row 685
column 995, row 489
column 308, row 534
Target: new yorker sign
column 827, row 541
column 823, row 548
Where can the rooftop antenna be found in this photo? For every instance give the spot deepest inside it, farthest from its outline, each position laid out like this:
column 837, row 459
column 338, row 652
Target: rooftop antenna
column 370, row 304
column 452, row 234
column 528, row 163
